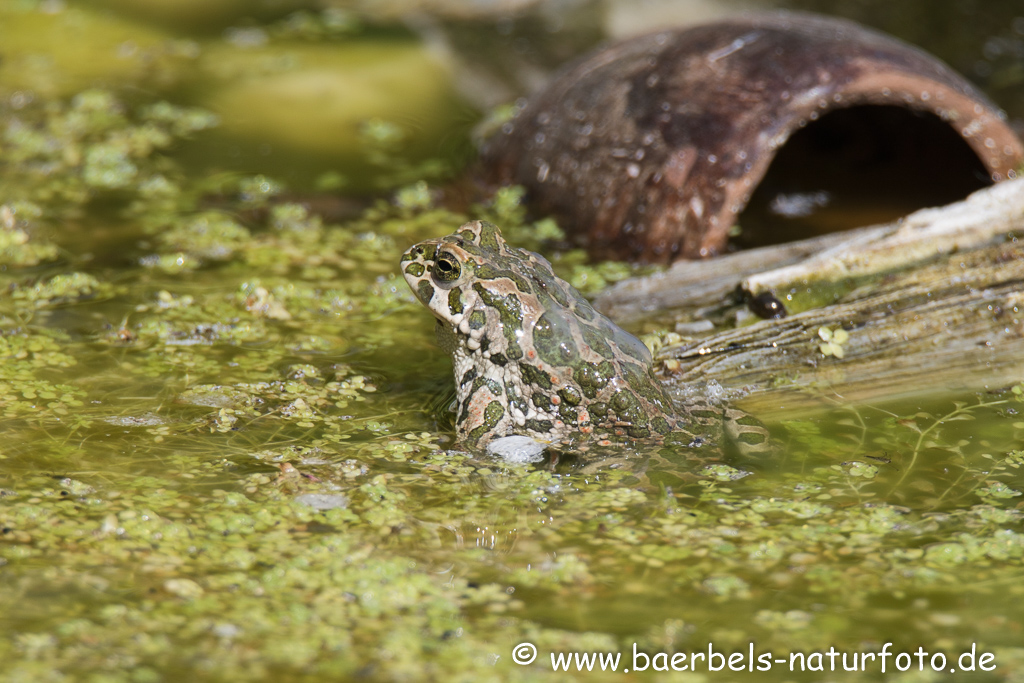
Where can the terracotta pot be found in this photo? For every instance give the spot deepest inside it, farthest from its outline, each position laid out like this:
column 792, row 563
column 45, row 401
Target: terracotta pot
column 652, row 147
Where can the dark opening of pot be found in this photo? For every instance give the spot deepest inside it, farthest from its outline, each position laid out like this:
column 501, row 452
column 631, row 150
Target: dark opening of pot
column 859, row 166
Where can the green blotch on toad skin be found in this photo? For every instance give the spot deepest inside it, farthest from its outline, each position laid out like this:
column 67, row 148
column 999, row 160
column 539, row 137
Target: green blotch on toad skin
column 584, row 310
column 552, row 338
column 542, row 401
column 509, row 308
column 591, row 377
column 540, row 426
column 510, row 311
column 489, row 235
column 570, row 395
column 425, row 252
column 491, row 385
column 477, row 320
column 425, row 291
column 596, row 340
column 638, row 431
column 534, row 376
column 455, row 301
column 622, row 401
column 568, row 414
column 661, row 425
column 492, row 415
column 640, row 380
column 415, row 269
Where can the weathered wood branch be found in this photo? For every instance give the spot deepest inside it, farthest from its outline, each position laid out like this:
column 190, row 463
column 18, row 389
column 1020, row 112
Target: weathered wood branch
column 948, row 315
column 920, row 236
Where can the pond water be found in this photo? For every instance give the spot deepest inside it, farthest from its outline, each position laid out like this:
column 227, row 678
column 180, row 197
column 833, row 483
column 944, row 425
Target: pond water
column 226, row 453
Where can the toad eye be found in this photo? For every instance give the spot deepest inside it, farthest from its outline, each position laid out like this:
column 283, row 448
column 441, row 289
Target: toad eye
column 447, row 268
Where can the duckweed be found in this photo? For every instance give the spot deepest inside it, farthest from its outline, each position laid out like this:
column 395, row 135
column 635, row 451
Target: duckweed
column 220, row 462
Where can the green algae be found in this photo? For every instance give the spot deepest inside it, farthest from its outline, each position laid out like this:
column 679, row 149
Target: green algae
column 170, row 406
column 63, row 155
column 18, row 246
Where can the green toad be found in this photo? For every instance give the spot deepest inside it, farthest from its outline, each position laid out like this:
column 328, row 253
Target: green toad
column 532, row 357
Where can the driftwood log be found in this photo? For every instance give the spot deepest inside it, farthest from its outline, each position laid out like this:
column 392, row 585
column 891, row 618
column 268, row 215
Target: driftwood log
column 934, row 303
